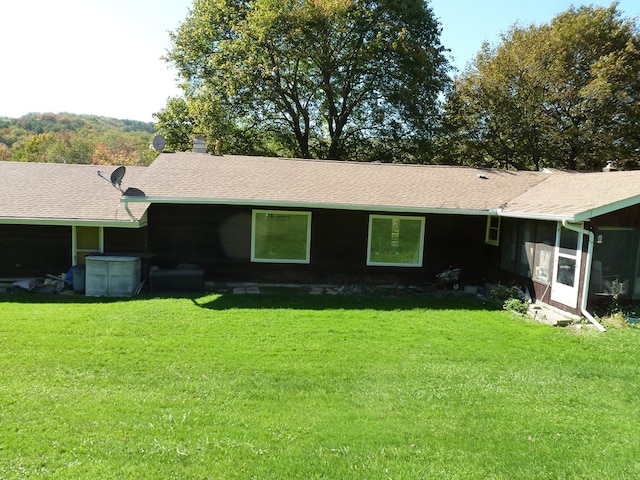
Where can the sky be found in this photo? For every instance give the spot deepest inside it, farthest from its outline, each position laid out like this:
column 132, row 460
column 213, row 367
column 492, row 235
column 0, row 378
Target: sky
column 103, row 57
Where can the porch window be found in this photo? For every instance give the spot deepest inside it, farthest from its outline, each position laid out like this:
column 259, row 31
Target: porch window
column 492, row 235
column 281, row 236
column 395, row 241
column 528, row 248
column 544, row 252
column 86, row 241
column 614, row 270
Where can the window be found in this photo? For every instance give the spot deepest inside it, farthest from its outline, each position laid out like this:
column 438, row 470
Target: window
column 614, row 270
column 528, row 248
column 492, row 236
column 86, row 241
column 544, row 252
column 395, row 241
column 281, row 236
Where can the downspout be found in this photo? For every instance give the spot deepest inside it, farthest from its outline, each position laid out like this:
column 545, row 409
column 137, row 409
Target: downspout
column 587, row 273
column 126, row 207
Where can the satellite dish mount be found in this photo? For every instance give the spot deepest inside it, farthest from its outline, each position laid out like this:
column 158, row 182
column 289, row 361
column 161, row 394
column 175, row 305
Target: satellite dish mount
column 115, row 179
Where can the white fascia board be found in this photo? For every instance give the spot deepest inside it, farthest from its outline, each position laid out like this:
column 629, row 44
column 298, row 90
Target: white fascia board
column 68, row 222
column 281, row 204
column 611, row 207
column 551, row 217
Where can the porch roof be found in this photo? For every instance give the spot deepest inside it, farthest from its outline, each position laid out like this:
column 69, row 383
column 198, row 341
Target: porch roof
column 578, row 196
column 59, row 194
column 229, row 179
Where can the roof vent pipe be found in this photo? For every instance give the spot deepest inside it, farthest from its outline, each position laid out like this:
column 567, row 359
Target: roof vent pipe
column 199, row 145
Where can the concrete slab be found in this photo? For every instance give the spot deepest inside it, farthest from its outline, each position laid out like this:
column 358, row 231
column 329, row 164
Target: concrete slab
column 549, row 315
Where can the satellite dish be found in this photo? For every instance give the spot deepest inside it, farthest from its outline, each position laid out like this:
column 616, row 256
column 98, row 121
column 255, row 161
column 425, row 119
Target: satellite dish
column 158, row 143
column 116, row 177
column 133, row 192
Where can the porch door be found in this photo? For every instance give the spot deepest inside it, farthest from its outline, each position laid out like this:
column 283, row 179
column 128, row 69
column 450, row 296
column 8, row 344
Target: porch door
column 566, row 267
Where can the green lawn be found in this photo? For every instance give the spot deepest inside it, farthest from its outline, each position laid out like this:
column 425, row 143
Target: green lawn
column 304, row 387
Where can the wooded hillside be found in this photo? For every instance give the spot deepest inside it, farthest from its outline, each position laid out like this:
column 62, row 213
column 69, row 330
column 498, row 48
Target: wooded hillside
column 70, row 138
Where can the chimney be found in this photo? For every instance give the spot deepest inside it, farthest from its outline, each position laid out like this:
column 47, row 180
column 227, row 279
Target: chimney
column 199, row 145
column 610, row 167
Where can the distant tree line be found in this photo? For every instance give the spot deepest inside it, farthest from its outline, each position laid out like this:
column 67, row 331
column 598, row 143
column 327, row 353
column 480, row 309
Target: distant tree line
column 69, row 138
column 369, row 80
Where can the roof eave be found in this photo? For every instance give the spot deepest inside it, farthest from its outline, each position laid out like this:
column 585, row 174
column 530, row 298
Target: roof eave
column 609, row 208
column 550, row 217
column 68, row 222
column 290, row 204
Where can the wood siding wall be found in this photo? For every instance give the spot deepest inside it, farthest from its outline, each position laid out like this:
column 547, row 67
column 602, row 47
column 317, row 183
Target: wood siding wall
column 33, row 250
column 218, row 238
column 36, row 250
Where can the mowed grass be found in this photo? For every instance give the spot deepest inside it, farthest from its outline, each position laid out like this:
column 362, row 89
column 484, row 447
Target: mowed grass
column 309, row 387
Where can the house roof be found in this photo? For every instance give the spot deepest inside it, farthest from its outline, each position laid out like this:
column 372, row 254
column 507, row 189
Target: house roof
column 201, row 178
column 75, row 194
column 52, row 193
column 578, row 196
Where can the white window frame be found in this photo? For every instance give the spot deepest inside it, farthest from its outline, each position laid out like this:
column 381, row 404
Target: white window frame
column 396, row 264
column 488, row 238
column 254, row 258
column 74, row 242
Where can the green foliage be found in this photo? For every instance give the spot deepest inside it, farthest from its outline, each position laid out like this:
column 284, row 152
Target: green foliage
column 516, row 305
column 511, row 298
column 71, row 138
column 342, row 79
column 564, row 95
column 272, row 387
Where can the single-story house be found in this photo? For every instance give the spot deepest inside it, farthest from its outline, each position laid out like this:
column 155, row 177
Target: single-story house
column 573, row 239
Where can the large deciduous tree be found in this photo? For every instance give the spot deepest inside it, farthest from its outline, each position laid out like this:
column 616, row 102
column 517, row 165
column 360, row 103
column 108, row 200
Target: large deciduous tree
column 316, row 78
column 563, row 95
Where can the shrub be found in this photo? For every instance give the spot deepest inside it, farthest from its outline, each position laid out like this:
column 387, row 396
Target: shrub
column 516, row 305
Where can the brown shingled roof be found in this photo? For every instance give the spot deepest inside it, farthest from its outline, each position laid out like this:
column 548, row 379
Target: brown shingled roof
column 578, row 196
column 63, row 194
column 191, row 177
column 75, row 194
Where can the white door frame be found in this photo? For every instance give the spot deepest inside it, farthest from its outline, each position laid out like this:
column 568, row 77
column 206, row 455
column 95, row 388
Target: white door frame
column 565, row 286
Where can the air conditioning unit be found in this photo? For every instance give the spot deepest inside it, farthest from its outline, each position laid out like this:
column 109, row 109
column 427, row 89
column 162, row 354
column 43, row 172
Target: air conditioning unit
column 112, row 276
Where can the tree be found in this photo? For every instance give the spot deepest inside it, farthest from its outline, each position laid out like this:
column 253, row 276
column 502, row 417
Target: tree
column 563, row 95
column 73, row 138
column 175, row 124
column 317, row 78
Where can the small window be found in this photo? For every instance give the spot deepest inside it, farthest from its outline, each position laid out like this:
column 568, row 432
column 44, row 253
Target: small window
column 87, row 241
column 395, row 241
column 492, row 236
column 281, row 236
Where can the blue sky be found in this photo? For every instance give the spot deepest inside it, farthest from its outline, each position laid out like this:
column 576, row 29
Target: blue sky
column 102, row 57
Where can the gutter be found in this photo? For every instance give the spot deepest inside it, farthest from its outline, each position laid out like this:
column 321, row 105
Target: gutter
column 587, row 273
column 291, row 204
column 66, row 222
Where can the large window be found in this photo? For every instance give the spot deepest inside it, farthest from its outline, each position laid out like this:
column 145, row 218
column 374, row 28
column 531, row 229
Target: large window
column 395, row 241
column 281, row 236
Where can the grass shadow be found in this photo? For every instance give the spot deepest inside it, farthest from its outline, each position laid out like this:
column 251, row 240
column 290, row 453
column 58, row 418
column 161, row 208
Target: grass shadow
column 278, row 299
column 339, row 302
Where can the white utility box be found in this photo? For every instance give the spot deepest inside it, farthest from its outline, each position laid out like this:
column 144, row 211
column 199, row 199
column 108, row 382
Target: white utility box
column 112, row 276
